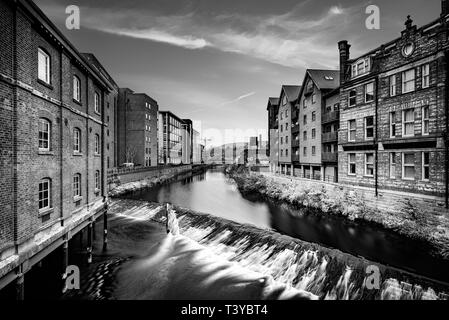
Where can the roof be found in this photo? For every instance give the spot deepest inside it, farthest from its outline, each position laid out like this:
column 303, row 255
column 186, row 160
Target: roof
column 292, row 92
column 92, row 59
column 325, row 79
column 273, row 101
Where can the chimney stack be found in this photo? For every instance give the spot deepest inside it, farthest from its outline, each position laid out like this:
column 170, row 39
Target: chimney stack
column 444, row 8
column 343, row 47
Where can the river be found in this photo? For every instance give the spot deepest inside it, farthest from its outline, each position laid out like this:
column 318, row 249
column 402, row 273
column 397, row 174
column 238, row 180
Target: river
column 212, row 192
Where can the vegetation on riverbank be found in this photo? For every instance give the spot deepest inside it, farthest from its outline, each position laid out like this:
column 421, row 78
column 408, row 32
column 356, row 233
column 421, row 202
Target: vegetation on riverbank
column 411, row 221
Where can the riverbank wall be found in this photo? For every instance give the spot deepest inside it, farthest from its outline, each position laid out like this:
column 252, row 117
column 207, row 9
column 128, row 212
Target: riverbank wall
column 327, row 273
column 417, row 216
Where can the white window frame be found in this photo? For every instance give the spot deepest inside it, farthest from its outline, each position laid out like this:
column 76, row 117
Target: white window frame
column 76, row 88
column 425, row 120
column 393, row 86
column 76, row 186
column 355, row 98
column 349, row 130
column 47, row 182
column 393, row 123
column 405, row 82
column 392, row 164
column 43, row 66
column 313, row 133
column 366, row 128
column 366, row 92
column 349, row 164
column 408, row 165
column 97, row 102
column 366, row 67
column 425, row 75
column 77, row 140
column 313, row 151
column 45, row 122
column 370, row 163
column 424, row 166
column 97, row 144
column 97, row 180
column 405, row 123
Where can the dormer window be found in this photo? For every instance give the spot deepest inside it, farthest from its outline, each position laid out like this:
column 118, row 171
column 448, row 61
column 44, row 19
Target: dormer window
column 361, row 67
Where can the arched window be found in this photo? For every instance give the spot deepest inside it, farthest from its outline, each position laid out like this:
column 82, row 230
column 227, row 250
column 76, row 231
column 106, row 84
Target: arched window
column 97, row 102
column 44, row 137
column 97, row 144
column 97, row 180
column 76, row 88
column 44, row 194
column 77, row 185
column 43, row 65
column 76, row 140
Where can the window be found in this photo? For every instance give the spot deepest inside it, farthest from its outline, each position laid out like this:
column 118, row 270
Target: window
column 286, row 152
column 76, row 140
column 426, row 166
column 369, row 127
column 392, row 85
column 44, row 194
column 77, row 185
column 286, row 126
column 408, row 122
column 286, row 113
column 313, row 98
column 305, row 151
column 313, row 116
column 282, row 140
column 361, row 67
column 425, row 120
column 408, row 166
column 369, row 164
column 44, row 134
column 369, row 92
column 97, row 180
column 282, row 153
column 43, row 66
column 313, row 150
column 305, row 119
column 392, row 165
column 76, row 89
column 425, row 75
column 352, row 98
column 351, row 130
column 97, row 102
column 313, row 133
column 97, row 144
column 351, row 164
column 408, row 81
column 304, row 134
column 286, row 139
column 392, row 124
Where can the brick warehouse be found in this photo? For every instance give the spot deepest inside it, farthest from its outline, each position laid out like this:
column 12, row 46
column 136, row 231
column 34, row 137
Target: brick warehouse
column 53, row 140
column 393, row 120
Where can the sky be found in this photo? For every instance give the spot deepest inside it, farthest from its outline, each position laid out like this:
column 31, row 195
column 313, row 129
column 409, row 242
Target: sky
column 217, row 61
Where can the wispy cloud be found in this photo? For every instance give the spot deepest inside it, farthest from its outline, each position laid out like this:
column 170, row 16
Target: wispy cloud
column 237, row 99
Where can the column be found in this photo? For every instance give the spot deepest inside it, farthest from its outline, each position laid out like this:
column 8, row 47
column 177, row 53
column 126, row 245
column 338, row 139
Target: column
column 89, row 242
column 311, row 172
column 323, row 178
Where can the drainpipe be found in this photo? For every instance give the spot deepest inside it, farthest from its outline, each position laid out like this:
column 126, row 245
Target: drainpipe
column 376, row 143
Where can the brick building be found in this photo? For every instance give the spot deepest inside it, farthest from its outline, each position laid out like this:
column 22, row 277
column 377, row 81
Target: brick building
column 393, row 117
column 312, row 110
column 137, row 117
column 52, row 139
column 330, row 124
column 170, row 138
column 273, row 133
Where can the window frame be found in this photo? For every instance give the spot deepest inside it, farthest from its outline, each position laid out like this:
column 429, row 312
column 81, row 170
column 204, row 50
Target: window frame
column 408, row 165
column 352, row 97
column 369, row 163
column 404, row 123
column 49, row 192
column 392, row 165
column 370, row 127
column 393, row 85
column 97, row 144
column 393, row 123
column 97, row 181
column 47, row 57
column 97, row 102
column 425, row 120
column 350, row 163
column 76, row 88
column 350, row 130
column 405, row 82
column 366, row 92
column 77, row 132
column 424, row 76
column 76, row 186
column 48, row 140
column 424, row 166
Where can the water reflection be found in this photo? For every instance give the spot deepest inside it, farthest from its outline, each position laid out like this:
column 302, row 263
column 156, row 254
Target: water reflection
column 213, row 193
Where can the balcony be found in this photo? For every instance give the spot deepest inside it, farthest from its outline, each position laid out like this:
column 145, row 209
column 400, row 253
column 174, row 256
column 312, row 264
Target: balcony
column 329, row 137
column 330, row 116
column 295, row 129
column 329, row 157
column 295, row 143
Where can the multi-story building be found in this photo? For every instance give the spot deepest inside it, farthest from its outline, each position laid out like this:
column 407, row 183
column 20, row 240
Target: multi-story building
column 330, row 124
column 196, row 147
column 187, row 141
column 170, row 138
column 52, row 140
column 137, row 128
column 393, row 118
column 287, row 102
column 273, row 133
column 310, row 105
column 110, row 112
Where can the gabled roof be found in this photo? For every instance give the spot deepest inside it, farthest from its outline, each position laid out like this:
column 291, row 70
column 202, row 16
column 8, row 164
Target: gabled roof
column 292, row 92
column 323, row 79
column 273, row 101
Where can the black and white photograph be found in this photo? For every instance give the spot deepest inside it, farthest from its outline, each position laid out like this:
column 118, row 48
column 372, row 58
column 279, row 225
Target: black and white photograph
column 209, row 151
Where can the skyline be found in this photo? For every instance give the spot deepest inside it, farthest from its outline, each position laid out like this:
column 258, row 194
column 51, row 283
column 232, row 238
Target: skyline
column 218, row 62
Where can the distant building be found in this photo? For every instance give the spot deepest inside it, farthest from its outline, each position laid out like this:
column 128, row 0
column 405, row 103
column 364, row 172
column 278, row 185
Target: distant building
column 187, row 141
column 137, row 128
column 196, row 147
column 170, row 138
column 273, row 133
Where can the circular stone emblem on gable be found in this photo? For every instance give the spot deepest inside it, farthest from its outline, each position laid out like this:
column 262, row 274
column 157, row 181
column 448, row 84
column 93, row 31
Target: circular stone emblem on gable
column 408, row 49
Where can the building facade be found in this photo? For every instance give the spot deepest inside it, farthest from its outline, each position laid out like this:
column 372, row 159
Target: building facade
column 393, row 118
column 316, row 84
column 170, row 138
column 52, row 139
column 187, row 141
column 330, row 124
column 137, row 128
column 273, row 133
column 196, row 147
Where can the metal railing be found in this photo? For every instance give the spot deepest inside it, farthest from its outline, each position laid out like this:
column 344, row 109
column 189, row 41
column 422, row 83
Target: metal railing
column 329, row 136
column 329, row 156
column 330, row 116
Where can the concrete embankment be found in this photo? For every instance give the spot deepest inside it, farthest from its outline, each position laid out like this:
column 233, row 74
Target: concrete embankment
column 306, row 267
